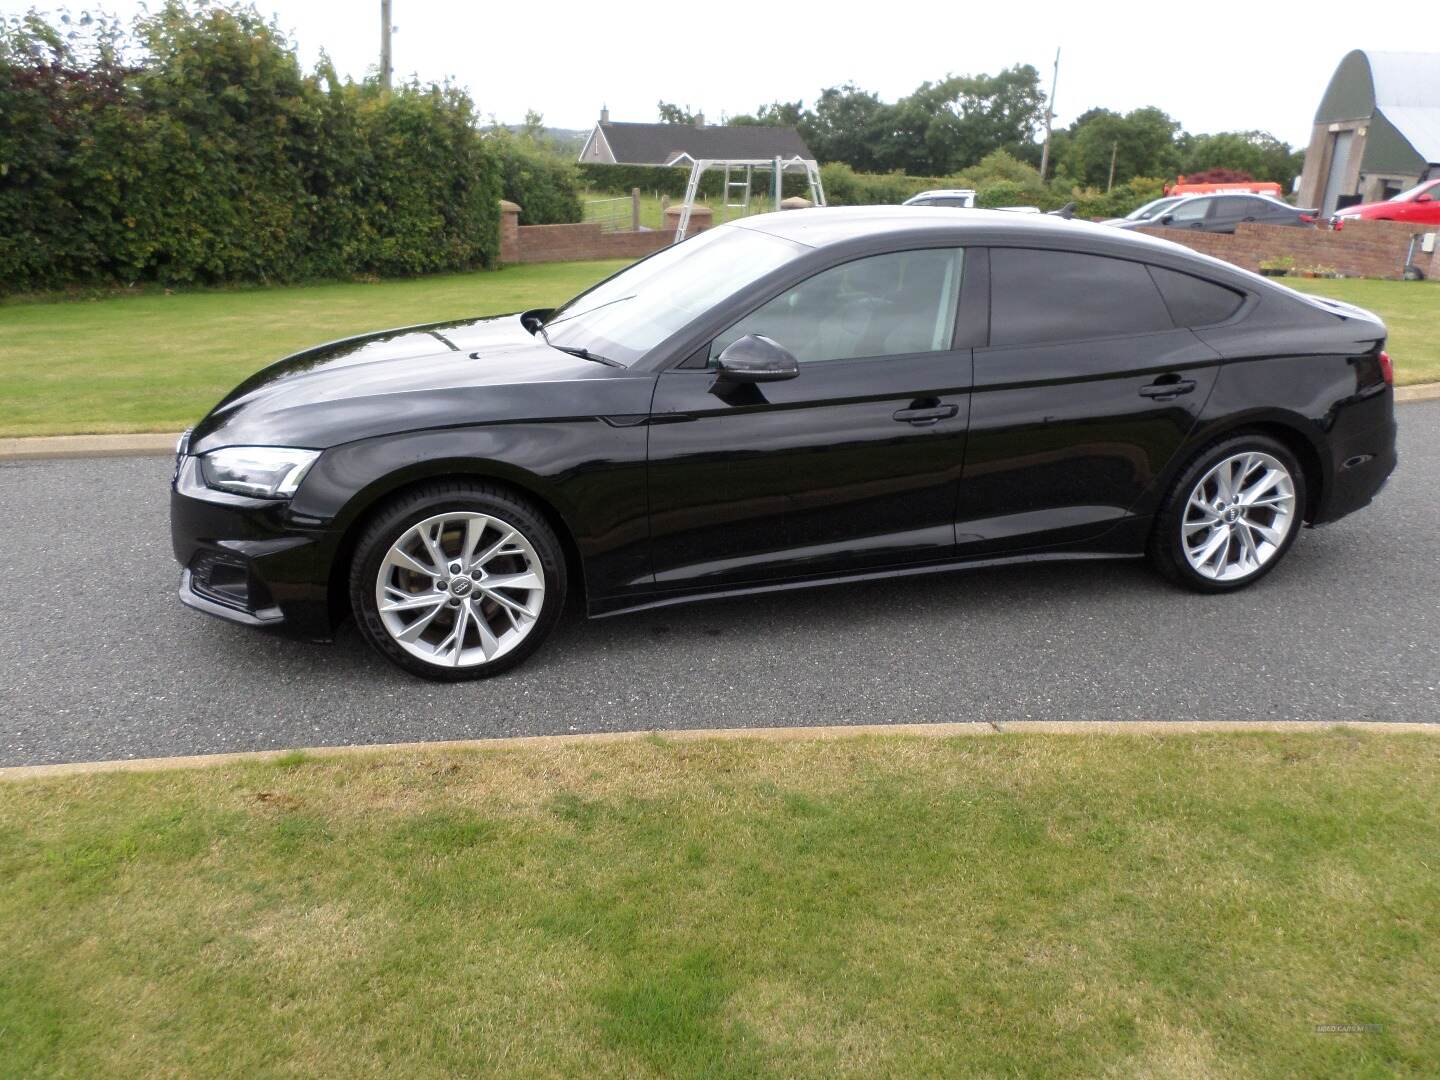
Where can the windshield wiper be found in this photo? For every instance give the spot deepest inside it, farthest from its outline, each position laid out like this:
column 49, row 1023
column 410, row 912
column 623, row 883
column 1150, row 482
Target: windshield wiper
column 585, row 354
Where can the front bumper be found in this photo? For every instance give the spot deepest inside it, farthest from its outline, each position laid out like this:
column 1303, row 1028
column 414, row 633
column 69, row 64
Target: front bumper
column 251, row 561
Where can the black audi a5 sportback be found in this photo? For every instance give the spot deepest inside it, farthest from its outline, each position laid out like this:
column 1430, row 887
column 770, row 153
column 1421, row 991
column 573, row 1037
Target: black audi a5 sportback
column 792, row 399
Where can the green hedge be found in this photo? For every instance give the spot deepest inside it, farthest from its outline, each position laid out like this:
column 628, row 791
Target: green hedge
column 545, row 187
column 215, row 159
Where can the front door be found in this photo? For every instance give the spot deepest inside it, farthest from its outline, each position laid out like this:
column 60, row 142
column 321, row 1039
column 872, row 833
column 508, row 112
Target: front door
column 1085, row 392
column 852, row 464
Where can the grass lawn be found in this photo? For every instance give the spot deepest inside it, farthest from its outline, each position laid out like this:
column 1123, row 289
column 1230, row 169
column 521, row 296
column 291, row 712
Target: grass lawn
column 1411, row 310
column 1018, row 905
column 153, row 362
column 158, row 363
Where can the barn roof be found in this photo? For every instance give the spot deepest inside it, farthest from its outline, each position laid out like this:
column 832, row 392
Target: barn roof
column 1402, row 87
column 1407, row 93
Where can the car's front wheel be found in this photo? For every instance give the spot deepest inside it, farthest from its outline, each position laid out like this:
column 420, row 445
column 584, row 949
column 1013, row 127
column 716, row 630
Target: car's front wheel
column 457, row 581
column 1231, row 516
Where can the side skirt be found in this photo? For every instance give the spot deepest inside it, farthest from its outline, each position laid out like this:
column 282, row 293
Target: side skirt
column 647, row 603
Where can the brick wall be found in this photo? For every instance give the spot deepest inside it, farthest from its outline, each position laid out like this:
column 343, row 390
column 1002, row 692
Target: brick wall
column 1361, row 249
column 581, row 241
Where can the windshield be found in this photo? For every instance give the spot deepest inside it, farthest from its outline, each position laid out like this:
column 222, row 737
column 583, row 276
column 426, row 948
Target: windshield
column 1150, row 209
column 1406, row 196
column 625, row 317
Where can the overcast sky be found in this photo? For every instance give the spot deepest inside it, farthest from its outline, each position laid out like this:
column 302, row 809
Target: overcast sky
column 1213, row 67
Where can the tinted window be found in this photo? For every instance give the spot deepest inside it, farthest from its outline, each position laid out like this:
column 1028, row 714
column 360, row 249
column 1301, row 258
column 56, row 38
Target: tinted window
column 1040, row 296
column 1193, row 301
column 901, row 302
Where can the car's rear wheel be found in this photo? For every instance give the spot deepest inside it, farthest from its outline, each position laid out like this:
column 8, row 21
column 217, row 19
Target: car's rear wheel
column 457, row 581
column 1231, row 516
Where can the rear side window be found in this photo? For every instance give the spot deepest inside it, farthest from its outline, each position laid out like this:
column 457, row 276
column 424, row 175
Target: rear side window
column 1051, row 296
column 1194, row 301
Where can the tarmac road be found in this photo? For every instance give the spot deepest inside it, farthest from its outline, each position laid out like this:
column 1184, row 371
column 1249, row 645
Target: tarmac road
column 99, row 660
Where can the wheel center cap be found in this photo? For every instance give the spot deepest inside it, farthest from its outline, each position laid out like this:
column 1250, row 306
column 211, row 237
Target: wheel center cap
column 461, row 586
column 1232, row 515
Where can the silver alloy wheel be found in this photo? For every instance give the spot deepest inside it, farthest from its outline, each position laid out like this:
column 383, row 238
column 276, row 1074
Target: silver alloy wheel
column 1238, row 516
column 460, row 589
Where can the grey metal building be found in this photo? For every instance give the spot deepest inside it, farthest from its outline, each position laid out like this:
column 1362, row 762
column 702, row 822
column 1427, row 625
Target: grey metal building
column 1377, row 130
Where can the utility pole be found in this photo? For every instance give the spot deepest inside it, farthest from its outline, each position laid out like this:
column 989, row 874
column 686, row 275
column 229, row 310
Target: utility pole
column 1049, row 116
column 1114, row 150
column 386, row 64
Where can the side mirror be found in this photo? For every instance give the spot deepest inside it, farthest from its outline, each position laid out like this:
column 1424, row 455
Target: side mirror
column 754, row 358
column 1425, row 196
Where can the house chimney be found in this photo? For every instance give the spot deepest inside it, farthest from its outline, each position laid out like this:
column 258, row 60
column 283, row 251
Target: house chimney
column 604, row 114
column 699, row 119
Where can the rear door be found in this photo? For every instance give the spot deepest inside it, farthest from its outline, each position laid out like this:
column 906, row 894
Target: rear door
column 1081, row 398
column 853, row 464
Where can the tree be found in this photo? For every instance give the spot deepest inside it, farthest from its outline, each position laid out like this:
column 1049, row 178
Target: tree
column 675, row 114
column 844, row 126
column 776, row 114
column 1258, row 153
column 1141, row 143
column 946, row 126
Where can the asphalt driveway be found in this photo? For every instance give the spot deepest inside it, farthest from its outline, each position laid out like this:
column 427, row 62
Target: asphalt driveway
column 99, row 660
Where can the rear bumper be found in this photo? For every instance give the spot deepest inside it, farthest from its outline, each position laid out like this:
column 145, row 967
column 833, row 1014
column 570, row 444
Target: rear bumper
column 251, row 561
column 1362, row 463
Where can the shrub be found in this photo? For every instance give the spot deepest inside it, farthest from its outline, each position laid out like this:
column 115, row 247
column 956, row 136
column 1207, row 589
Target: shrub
column 546, row 187
column 846, row 187
column 216, row 159
column 1094, row 203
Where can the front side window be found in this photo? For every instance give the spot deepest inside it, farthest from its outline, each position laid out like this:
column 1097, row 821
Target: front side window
column 1151, row 209
column 1191, row 210
column 1429, row 187
column 626, row 316
column 1039, row 297
column 884, row 305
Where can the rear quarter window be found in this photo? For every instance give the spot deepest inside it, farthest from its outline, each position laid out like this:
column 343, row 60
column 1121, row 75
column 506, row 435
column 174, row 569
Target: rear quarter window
column 1194, row 301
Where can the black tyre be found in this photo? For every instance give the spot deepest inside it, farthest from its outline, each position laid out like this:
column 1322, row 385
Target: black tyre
column 1231, row 515
column 457, row 581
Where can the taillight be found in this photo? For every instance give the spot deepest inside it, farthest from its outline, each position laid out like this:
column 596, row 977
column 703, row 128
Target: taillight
column 1309, row 219
column 1387, row 369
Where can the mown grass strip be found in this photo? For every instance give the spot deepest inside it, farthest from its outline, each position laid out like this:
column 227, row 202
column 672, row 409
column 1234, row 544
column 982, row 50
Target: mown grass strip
column 157, row 362
column 885, row 905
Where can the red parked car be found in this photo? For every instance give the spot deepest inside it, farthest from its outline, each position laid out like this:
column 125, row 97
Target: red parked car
column 1420, row 205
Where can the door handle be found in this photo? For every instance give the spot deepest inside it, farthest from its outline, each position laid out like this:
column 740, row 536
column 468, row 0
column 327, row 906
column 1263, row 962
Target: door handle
column 921, row 417
column 1162, row 390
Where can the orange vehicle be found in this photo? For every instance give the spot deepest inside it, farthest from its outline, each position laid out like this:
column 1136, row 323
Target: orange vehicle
column 1255, row 187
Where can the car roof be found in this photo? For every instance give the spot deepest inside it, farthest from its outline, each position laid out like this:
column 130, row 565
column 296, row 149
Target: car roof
column 1233, row 195
column 944, row 191
column 826, row 226
column 822, row 226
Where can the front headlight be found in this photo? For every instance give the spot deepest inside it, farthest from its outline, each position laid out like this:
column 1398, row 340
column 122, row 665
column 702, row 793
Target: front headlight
column 262, row 472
